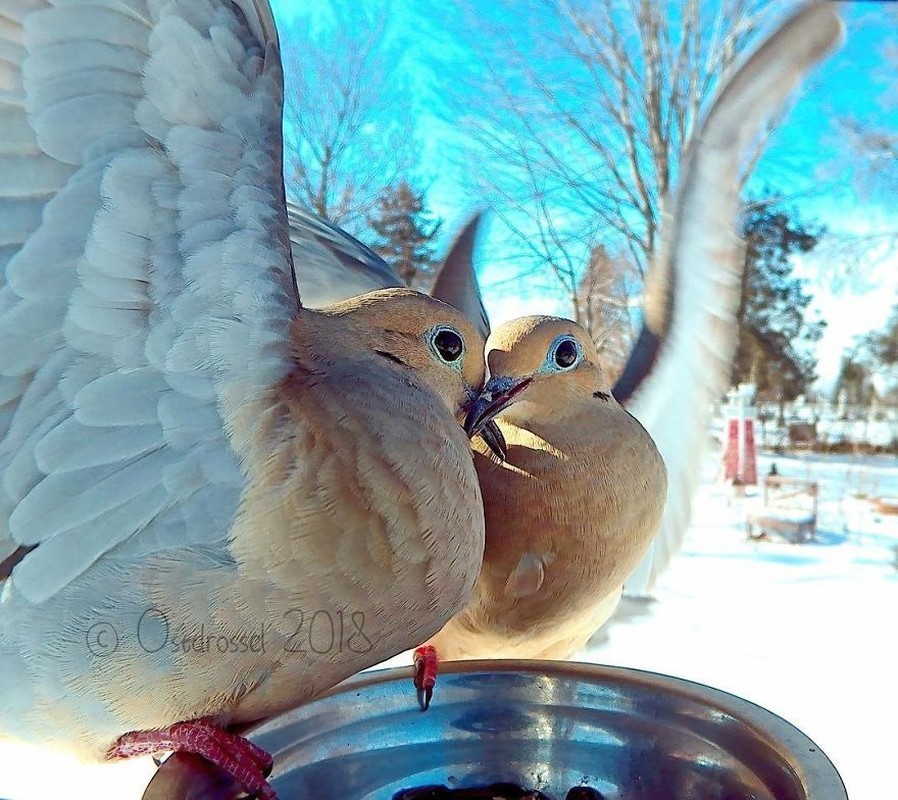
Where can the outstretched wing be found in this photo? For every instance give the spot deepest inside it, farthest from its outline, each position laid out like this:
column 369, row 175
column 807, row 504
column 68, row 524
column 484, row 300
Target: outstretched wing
column 146, row 286
column 682, row 360
column 335, row 266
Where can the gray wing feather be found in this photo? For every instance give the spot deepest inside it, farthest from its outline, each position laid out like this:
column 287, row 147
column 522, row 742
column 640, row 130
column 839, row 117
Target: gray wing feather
column 693, row 294
column 456, row 282
column 334, row 266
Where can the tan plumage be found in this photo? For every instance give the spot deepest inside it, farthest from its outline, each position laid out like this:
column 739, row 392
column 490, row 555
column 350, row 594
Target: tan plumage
column 187, row 454
column 580, row 503
column 351, row 461
column 679, row 366
column 569, row 512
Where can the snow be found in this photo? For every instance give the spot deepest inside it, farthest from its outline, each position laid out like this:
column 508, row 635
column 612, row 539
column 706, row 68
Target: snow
column 805, row 630
column 782, row 515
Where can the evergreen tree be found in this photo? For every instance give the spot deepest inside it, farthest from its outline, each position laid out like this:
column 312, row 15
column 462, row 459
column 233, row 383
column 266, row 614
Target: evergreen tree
column 883, row 345
column 774, row 335
column 405, row 234
column 855, row 380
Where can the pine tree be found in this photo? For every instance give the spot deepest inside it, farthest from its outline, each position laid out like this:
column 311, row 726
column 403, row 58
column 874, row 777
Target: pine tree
column 884, row 344
column 774, row 334
column 405, row 234
column 877, row 352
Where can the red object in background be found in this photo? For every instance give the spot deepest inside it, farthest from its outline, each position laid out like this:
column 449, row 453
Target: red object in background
column 740, row 457
column 749, row 454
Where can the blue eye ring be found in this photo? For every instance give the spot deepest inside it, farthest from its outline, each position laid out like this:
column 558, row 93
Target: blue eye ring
column 448, row 344
column 564, row 354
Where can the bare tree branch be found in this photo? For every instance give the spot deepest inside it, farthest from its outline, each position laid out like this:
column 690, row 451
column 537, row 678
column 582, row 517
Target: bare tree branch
column 868, row 155
column 591, row 118
column 605, row 300
column 345, row 136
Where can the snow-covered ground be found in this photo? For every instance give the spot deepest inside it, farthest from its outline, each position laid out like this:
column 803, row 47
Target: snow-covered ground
column 808, row 631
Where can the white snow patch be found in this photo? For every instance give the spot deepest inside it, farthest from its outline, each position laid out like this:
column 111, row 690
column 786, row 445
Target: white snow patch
column 807, row 631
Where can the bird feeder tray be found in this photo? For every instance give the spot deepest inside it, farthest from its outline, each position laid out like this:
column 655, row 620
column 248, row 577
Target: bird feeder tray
column 542, row 725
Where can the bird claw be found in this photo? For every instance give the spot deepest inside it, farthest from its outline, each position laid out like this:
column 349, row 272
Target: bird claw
column 424, row 697
column 426, row 661
column 240, row 758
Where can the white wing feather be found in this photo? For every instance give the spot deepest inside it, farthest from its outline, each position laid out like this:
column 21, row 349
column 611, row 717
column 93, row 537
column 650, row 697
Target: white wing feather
column 146, row 286
column 701, row 262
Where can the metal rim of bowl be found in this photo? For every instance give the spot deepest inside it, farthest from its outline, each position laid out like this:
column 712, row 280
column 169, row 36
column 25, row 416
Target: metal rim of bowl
column 184, row 776
column 819, row 775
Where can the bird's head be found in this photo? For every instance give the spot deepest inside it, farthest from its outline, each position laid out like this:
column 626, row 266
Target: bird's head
column 541, row 369
column 429, row 338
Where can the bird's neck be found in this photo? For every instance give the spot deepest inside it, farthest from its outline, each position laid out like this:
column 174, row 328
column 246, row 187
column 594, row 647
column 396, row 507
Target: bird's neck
column 572, row 431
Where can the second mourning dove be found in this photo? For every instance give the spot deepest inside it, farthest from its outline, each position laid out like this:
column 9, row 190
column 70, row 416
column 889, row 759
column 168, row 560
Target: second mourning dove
column 579, row 504
column 215, row 503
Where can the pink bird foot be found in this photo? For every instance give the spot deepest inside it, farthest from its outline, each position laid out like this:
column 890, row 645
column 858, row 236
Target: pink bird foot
column 426, row 665
column 239, row 757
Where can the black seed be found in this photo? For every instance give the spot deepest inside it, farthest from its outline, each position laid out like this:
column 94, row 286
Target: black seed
column 494, row 440
column 510, row 789
column 495, row 791
column 584, row 793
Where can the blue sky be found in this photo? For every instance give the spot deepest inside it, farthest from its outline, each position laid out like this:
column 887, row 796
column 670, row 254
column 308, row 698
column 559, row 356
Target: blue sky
column 805, row 159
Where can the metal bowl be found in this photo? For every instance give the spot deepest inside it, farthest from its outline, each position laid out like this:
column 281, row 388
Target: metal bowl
column 546, row 725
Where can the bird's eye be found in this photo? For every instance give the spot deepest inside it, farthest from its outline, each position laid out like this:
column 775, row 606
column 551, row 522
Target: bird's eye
column 565, row 354
column 448, row 344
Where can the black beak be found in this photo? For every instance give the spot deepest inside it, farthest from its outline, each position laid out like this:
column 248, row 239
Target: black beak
column 496, row 395
column 486, row 428
column 492, row 435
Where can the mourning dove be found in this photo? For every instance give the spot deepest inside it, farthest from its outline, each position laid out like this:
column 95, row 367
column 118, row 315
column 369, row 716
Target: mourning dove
column 579, row 502
column 558, row 554
column 660, row 404
column 214, row 502
column 569, row 510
